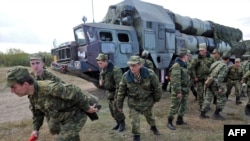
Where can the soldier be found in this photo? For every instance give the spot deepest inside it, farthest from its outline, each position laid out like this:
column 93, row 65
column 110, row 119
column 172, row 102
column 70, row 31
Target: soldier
column 246, row 81
column 216, row 54
column 192, row 85
column 179, row 89
column 147, row 63
column 245, row 66
column 64, row 103
column 110, row 76
column 143, row 89
column 200, row 70
column 37, row 63
column 234, row 80
column 216, row 85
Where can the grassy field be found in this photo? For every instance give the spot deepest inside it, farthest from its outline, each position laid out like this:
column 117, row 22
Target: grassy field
column 196, row 130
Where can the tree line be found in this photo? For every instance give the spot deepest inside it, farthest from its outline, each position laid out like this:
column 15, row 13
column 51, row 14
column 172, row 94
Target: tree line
column 15, row 57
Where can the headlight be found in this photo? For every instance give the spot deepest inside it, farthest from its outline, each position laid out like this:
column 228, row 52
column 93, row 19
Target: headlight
column 77, row 64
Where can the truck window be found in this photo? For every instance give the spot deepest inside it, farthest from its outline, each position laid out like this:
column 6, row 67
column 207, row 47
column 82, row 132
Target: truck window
column 123, row 37
column 106, row 36
column 80, row 38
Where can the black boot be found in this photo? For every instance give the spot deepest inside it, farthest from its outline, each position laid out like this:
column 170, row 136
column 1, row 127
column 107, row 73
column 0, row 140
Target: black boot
column 217, row 115
column 215, row 100
column 116, row 126
column 238, row 100
column 122, row 126
column 136, row 138
column 180, row 121
column 155, row 130
column 203, row 115
column 170, row 124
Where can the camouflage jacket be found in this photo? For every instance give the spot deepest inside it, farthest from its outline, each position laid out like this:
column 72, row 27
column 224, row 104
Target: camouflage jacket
column 179, row 77
column 111, row 77
column 142, row 93
column 246, row 78
column 234, row 73
column 245, row 66
column 56, row 100
column 46, row 75
column 200, row 66
column 148, row 64
column 219, row 70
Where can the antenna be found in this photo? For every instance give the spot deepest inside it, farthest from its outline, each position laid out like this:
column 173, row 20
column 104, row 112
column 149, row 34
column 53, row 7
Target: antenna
column 93, row 11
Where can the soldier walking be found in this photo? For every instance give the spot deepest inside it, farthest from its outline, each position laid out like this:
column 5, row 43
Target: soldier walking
column 200, row 70
column 110, row 77
column 234, row 80
column 179, row 89
column 216, row 86
column 141, row 86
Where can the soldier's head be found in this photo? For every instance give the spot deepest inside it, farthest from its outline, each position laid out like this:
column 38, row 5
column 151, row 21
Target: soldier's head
column 225, row 57
column 237, row 62
column 183, row 54
column 102, row 60
column 202, row 49
column 19, row 80
column 135, row 63
column 216, row 54
column 145, row 54
column 37, row 63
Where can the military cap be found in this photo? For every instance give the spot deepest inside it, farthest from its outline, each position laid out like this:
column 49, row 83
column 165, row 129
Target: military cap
column 37, row 56
column 183, row 52
column 16, row 73
column 225, row 55
column 202, row 46
column 215, row 51
column 135, row 60
column 237, row 59
column 102, row 57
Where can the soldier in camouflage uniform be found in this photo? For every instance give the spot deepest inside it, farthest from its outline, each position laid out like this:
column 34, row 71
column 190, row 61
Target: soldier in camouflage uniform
column 62, row 102
column 245, row 66
column 200, row 70
column 246, row 80
column 37, row 63
column 218, row 73
column 234, row 80
column 39, row 72
column 141, row 86
column 179, row 89
column 110, row 77
column 147, row 63
column 216, row 54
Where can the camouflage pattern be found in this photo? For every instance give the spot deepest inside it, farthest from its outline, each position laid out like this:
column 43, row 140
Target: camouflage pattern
column 218, row 71
column 46, row 75
column 246, row 79
column 148, row 64
column 179, row 85
column 65, row 104
column 142, row 92
column 233, row 80
column 200, row 68
column 245, row 66
column 111, row 77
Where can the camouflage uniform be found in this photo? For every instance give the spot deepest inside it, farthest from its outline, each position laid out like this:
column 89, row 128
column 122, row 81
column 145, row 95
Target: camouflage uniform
column 65, row 104
column 149, row 64
column 245, row 66
column 143, row 92
column 179, row 85
column 246, row 79
column 218, row 71
column 46, row 75
column 233, row 80
column 200, row 69
column 111, row 77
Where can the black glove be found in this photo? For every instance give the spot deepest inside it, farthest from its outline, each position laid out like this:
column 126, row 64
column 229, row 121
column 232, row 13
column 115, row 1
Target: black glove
column 94, row 116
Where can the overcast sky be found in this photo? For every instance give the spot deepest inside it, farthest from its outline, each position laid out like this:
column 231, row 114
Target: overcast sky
column 34, row 24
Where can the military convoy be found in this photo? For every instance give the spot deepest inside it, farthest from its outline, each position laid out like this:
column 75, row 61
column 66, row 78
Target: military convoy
column 133, row 26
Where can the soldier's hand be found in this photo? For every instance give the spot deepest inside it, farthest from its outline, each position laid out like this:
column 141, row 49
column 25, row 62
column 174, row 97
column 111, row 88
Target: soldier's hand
column 196, row 79
column 219, row 90
column 179, row 95
column 35, row 133
column 93, row 109
column 119, row 109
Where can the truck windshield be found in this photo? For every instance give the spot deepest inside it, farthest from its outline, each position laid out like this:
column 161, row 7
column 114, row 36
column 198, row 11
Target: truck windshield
column 80, row 37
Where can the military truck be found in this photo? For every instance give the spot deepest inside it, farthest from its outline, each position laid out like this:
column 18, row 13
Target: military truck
column 132, row 26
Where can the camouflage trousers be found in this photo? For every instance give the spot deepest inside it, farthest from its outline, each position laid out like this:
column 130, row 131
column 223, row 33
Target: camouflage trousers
column 248, row 94
column 231, row 84
column 210, row 93
column 200, row 92
column 69, row 129
column 114, row 111
column 178, row 105
column 135, row 119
